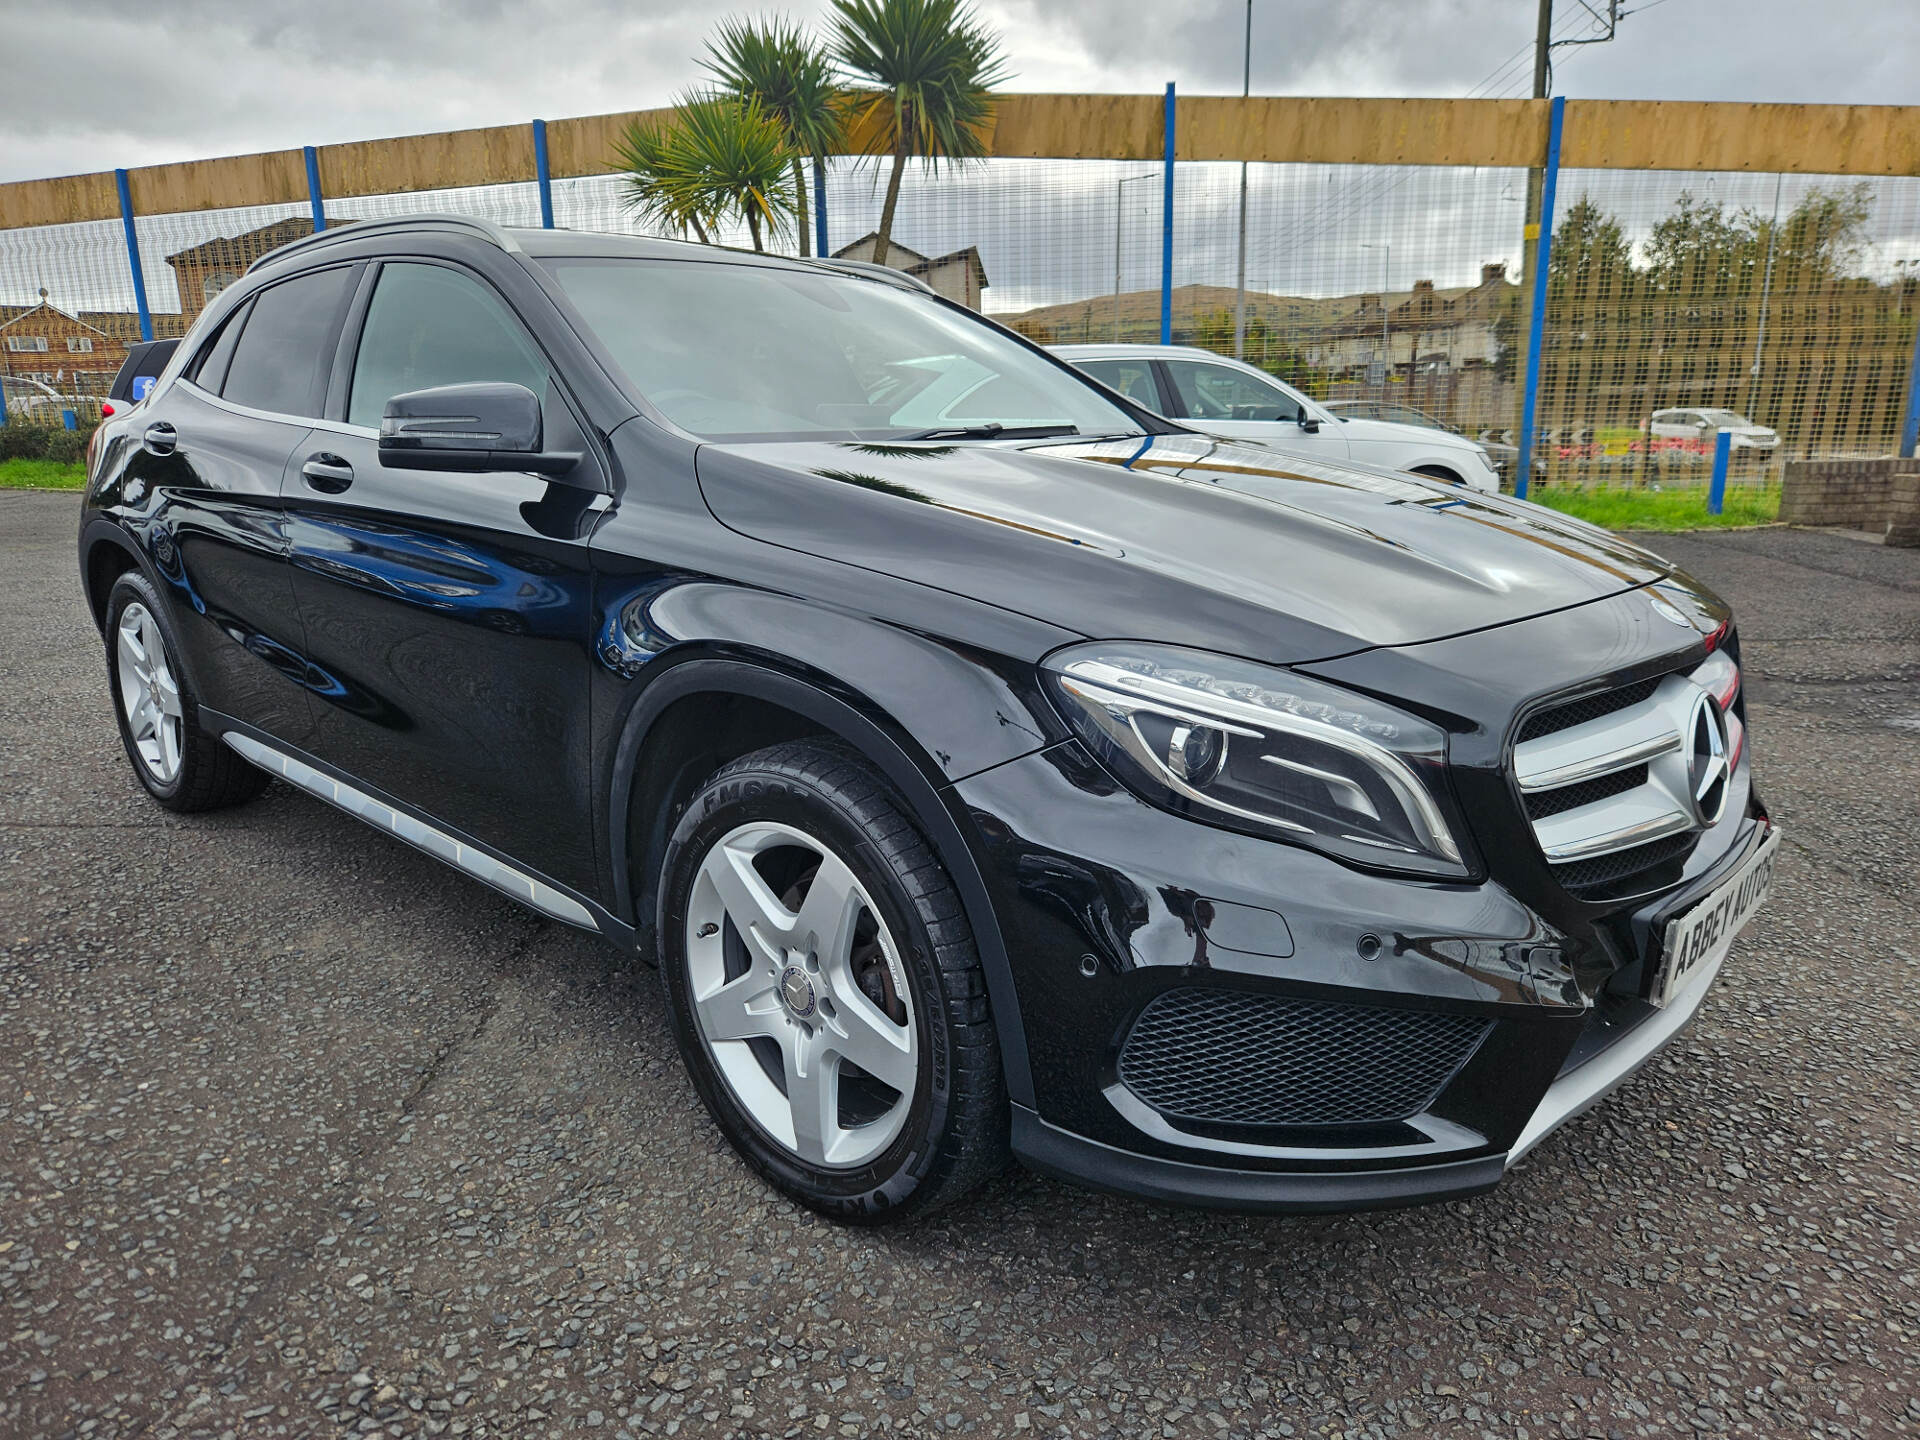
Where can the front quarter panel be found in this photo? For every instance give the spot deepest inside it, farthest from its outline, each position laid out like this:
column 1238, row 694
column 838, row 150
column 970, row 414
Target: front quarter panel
column 951, row 679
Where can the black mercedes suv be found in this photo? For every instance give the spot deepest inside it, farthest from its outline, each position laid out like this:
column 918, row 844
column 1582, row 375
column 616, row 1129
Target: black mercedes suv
column 990, row 764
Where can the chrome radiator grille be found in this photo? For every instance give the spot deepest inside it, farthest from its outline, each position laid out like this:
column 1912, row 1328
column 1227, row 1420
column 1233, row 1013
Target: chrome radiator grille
column 1620, row 782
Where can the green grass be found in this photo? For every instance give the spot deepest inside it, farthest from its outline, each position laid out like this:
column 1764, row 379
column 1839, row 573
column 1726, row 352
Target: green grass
column 42, row 475
column 1619, row 509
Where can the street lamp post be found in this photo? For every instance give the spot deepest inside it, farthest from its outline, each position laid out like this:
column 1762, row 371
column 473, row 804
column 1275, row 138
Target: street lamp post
column 1240, row 284
column 1385, row 247
column 1119, row 198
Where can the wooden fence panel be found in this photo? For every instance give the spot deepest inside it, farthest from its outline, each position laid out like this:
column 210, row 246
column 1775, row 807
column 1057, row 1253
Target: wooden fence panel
column 1600, row 134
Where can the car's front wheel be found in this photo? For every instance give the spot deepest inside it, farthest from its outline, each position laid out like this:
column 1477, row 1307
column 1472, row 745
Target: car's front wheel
column 825, row 987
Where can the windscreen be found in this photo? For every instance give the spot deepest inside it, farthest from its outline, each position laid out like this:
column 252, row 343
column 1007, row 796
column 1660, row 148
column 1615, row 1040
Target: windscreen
column 1725, row 417
column 745, row 352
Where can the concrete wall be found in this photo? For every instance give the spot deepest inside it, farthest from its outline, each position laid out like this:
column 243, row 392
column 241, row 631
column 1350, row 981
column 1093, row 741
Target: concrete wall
column 1882, row 496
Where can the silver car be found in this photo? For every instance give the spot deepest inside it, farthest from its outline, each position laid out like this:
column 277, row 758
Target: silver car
column 1224, row 397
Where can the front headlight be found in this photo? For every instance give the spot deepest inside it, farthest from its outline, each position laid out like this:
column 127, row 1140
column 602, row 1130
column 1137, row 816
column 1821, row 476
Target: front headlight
column 1254, row 748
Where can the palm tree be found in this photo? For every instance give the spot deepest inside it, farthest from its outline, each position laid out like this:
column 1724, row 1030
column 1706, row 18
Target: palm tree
column 792, row 77
column 716, row 158
column 933, row 66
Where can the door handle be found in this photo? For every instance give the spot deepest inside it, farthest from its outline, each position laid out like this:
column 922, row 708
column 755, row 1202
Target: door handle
column 329, row 474
column 160, row 438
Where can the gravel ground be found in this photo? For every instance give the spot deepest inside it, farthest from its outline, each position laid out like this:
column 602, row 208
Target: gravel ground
column 305, row 1134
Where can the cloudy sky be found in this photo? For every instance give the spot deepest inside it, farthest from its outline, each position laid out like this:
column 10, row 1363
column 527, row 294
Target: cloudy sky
column 130, row 82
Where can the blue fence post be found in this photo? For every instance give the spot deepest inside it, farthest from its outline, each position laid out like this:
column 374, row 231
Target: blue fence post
column 1910, row 427
column 133, row 255
column 313, row 189
column 541, row 176
column 820, row 211
column 1166, row 231
column 1537, row 323
column 1722, row 453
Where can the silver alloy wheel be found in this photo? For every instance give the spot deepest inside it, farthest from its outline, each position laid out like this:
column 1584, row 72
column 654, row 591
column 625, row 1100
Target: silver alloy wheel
column 148, row 693
column 794, row 992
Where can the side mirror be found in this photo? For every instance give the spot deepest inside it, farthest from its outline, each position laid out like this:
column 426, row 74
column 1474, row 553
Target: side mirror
column 482, row 426
column 1309, row 424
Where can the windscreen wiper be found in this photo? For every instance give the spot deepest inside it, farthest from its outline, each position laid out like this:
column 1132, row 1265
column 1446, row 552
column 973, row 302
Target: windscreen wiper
column 992, row 430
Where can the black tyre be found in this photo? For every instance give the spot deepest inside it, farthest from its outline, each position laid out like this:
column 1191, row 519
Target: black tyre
column 825, row 988
column 182, row 766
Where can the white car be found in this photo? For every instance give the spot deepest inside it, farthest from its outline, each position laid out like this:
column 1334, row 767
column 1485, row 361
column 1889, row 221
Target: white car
column 1238, row 402
column 1702, row 425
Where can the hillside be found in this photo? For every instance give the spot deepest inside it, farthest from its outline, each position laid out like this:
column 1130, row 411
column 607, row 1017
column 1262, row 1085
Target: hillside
column 1139, row 311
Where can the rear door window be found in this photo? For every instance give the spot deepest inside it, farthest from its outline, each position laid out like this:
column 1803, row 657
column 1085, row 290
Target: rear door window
column 285, row 350
column 209, row 369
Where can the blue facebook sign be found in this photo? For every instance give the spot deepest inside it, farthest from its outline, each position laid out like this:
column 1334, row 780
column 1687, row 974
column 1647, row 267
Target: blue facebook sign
column 143, row 386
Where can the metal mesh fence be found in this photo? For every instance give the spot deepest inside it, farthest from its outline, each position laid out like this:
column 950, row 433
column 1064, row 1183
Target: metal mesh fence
column 1385, row 289
column 1782, row 307
column 190, row 257
column 66, row 316
column 517, row 204
column 1677, row 303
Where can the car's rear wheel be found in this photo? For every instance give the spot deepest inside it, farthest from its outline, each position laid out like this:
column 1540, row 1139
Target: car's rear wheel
column 181, row 765
column 825, row 987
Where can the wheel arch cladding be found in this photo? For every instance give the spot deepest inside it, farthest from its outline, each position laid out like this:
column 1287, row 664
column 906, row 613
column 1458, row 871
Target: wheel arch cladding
column 106, row 555
column 636, row 835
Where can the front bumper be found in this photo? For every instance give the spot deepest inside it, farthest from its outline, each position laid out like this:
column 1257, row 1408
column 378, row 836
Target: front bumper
column 1106, row 904
column 1578, row 1087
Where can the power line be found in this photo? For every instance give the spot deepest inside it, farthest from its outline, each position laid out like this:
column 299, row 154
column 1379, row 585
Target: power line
column 1322, row 218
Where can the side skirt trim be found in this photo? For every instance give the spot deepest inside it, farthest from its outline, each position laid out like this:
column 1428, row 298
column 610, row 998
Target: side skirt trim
column 507, row 879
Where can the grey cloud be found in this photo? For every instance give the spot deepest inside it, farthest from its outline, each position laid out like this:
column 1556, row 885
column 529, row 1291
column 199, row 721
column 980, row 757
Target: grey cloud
column 131, row 81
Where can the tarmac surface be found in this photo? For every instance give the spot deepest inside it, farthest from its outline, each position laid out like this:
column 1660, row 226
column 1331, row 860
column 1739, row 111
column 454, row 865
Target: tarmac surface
column 302, row 1133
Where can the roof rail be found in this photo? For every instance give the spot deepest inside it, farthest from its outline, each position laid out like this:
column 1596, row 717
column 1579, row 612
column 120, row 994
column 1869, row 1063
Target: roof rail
column 885, row 274
column 353, row 229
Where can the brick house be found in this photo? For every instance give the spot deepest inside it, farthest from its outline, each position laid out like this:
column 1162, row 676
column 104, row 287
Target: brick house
column 69, row 354
column 202, row 271
column 1431, row 331
column 959, row 275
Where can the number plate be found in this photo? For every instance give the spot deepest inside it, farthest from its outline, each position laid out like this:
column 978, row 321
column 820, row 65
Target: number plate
column 1702, row 936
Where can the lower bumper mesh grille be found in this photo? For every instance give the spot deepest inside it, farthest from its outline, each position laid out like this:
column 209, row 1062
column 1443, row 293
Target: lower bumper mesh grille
column 1230, row 1057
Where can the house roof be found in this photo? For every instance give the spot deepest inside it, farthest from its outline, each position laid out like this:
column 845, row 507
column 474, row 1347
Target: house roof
column 242, row 250
column 25, row 310
column 970, row 255
column 892, row 245
column 921, row 265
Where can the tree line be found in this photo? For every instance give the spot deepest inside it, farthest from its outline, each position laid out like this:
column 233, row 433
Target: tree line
column 1771, row 315
column 1702, row 250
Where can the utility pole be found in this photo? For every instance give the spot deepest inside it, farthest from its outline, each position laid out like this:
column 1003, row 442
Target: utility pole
column 1542, row 45
column 1240, row 294
column 1530, row 216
